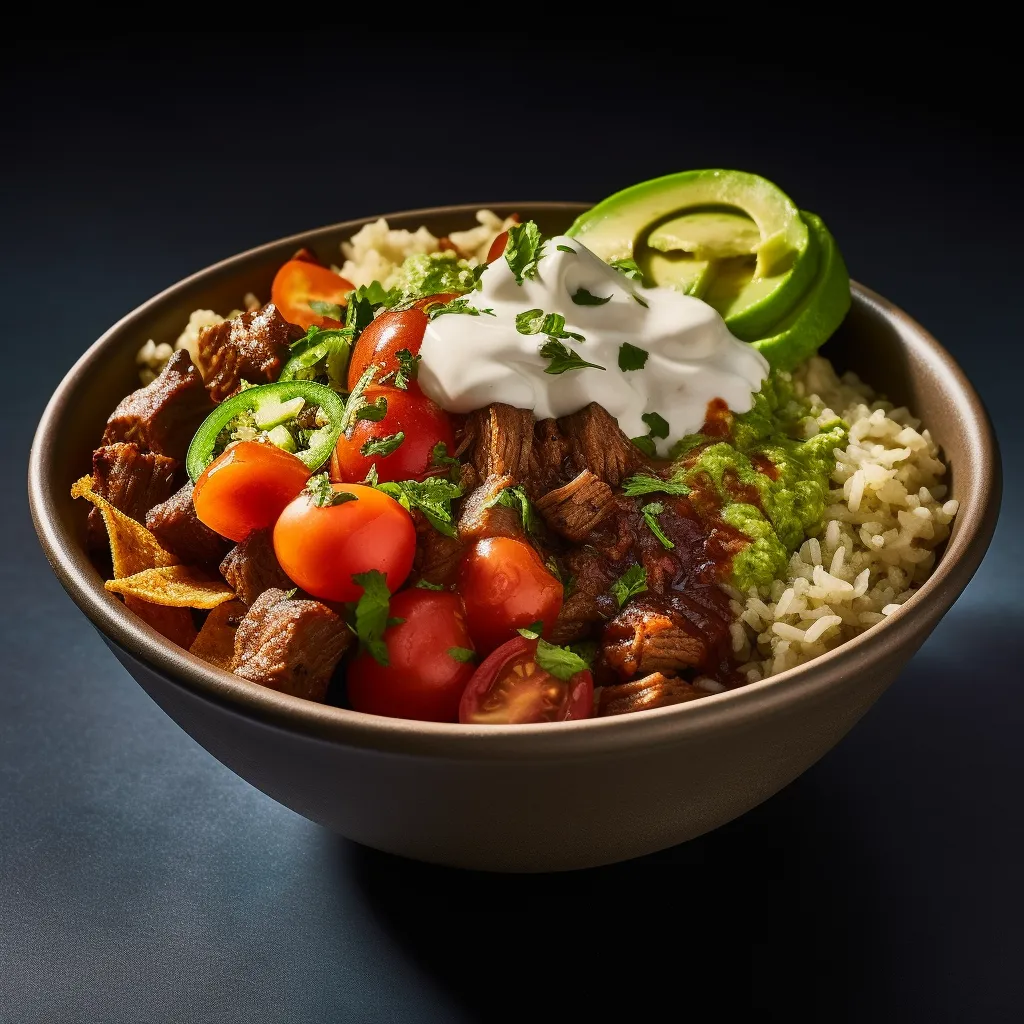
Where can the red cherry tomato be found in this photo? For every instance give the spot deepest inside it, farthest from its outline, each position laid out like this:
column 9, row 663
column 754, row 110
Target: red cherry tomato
column 497, row 249
column 246, row 488
column 387, row 334
column 321, row 548
column 506, row 587
column 427, row 668
column 300, row 282
column 423, row 423
column 510, row 688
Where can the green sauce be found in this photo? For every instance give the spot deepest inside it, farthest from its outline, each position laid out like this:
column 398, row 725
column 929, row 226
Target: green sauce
column 772, row 484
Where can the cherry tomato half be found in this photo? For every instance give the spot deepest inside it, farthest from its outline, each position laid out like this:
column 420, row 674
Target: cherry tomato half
column 300, row 282
column 321, row 548
column 506, row 587
column 510, row 688
column 247, row 487
column 423, row 423
column 427, row 668
column 387, row 334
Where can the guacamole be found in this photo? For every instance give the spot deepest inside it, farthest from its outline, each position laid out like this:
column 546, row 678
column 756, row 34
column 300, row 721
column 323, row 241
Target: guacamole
column 433, row 273
column 771, row 482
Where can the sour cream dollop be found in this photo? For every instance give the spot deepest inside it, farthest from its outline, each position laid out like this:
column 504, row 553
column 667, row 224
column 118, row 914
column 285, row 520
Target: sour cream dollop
column 470, row 361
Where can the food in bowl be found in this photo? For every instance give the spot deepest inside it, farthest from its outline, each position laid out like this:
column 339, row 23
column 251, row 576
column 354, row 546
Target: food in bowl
column 498, row 478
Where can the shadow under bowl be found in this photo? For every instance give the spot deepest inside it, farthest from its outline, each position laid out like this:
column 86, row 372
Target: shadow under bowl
column 521, row 798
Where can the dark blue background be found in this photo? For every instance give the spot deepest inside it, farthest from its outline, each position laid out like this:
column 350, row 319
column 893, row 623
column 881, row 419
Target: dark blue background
column 142, row 881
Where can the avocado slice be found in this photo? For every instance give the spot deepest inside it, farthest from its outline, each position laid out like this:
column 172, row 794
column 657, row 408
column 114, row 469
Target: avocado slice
column 821, row 310
column 753, row 291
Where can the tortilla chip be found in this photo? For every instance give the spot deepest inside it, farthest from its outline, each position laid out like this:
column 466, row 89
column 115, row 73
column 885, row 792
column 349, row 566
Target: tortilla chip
column 133, row 548
column 173, row 623
column 175, row 586
column 216, row 640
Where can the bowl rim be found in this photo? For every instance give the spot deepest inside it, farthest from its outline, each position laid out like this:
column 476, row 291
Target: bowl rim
column 134, row 639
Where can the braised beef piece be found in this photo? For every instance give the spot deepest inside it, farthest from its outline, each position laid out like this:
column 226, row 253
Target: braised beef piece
column 652, row 691
column 251, row 567
column 667, row 632
column 130, row 479
column 437, row 556
column 551, row 466
column 498, row 441
column 578, row 507
column 595, row 442
column 163, row 416
column 290, row 645
column 252, row 347
column 175, row 524
column 482, row 517
column 590, row 601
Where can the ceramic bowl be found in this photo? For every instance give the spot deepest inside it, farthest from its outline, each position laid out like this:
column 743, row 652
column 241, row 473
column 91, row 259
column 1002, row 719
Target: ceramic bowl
column 518, row 798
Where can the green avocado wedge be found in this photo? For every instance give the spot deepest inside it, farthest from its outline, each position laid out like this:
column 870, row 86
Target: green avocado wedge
column 821, row 310
column 729, row 237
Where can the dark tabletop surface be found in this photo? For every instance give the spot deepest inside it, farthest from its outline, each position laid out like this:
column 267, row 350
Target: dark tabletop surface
column 142, row 881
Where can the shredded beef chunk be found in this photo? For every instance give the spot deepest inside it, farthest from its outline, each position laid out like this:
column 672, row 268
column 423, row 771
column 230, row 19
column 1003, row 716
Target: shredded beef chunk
column 290, row 645
column 437, row 556
column 499, row 441
column 251, row 567
column 576, row 508
column 175, row 524
column 653, row 691
column 595, row 442
column 482, row 515
column 163, row 416
column 252, row 347
column 130, row 479
column 656, row 633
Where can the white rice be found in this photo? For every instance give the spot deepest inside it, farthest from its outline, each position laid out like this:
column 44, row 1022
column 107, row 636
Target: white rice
column 887, row 514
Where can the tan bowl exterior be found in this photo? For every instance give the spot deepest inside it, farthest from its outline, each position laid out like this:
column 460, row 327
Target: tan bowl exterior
column 526, row 798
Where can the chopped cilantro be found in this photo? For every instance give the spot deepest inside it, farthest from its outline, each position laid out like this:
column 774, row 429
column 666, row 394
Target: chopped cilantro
column 561, row 358
column 536, row 321
column 433, row 497
column 460, row 305
column 642, row 483
column 532, row 631
column 324, row 495
column 322, row 308
column 461, row 654
column 628, row 267
column 560, row 662
column 356, row 400
column 408, row 368
column 439, row 457
column 643, row 302
column 655, row 508
column 632, row 582
column 371, row 613
column 363, row 303
column 523, row 250
column 646, row 445
column 515, row 498
column 566, row 248
column 382, row 445
column 631, row 357
column 584, row 298
column 427, row 585
column 658, row 424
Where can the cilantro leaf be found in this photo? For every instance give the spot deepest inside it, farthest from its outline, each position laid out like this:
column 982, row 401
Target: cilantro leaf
column 363, row 303
column 408, row 368
column 642, row 483
column 646, row 445
column 532, row 631
column 628, row 267
column 382, row 445
column 523, row 250
column 584, row 298
column 356, row 400
column 371, row 613
column 633, row 581
column 658, row 424
column 460, row 305
column 319, row 488
column 631, row 357
column 322, row 308
column 655, row 508
column 559, row 662
column 515, row 498
column 375, row 410
column 439, row 457
column 561, row 358
column 433, row 497
column 536, row 321
column 566, row 248
column 643, row 302
column 461, row 654
column 427, row 585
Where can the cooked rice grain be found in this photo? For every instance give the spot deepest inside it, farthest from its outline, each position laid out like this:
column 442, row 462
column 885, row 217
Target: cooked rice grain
column 887, row 514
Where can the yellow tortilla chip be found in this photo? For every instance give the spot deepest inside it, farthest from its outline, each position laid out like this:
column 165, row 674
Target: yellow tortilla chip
column 132, row 547
column 216, row 640
column 174, row 623
column 176, row 586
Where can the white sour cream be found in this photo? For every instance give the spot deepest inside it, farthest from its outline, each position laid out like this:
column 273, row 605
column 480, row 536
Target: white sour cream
column 470, row 361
